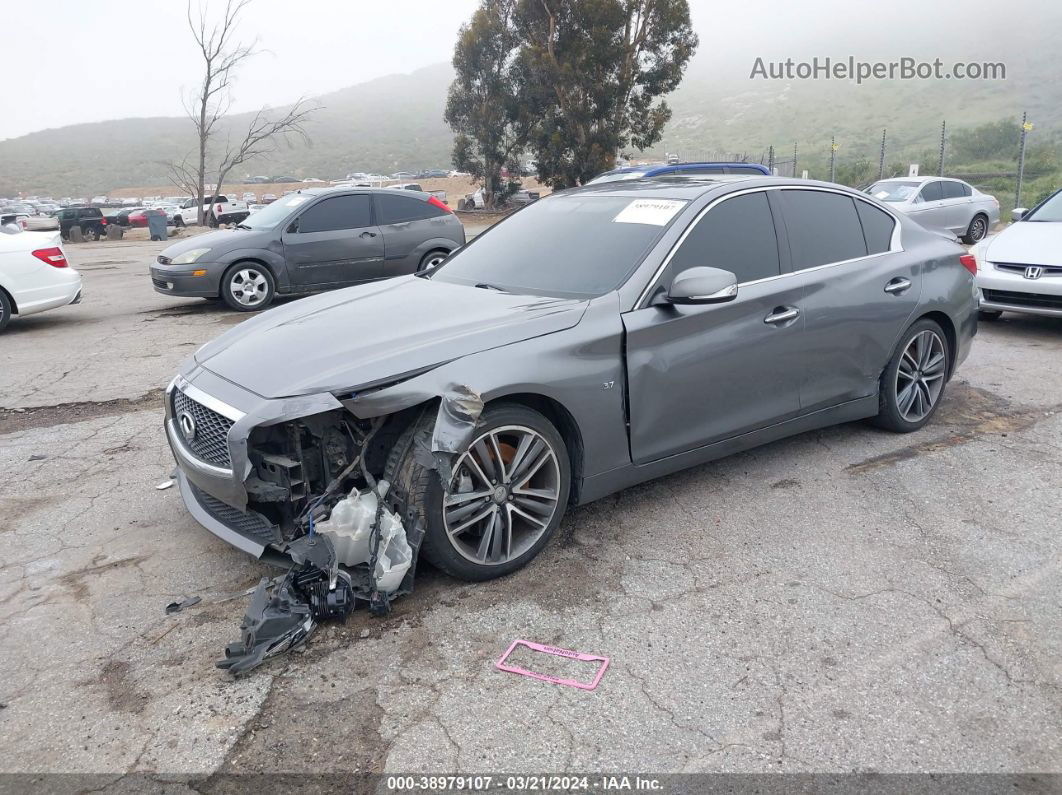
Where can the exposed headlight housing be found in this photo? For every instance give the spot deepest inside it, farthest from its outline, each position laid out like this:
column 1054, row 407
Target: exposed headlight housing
column 189, row 257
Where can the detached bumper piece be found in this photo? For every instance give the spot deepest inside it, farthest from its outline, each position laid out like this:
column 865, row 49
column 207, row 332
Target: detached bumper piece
column 284, row 612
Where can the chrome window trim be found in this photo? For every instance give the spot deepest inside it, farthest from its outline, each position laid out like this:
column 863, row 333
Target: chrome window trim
column 212, row 403
column 895, row 243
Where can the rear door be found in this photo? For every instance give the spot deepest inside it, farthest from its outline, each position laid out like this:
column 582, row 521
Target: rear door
column 859, row 292
column 699, row 374
column 957, row 205
column 333, row 242
column 406, row 223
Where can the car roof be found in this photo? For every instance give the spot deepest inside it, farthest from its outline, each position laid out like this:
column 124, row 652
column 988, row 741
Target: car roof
column 694, row 186
column 663, row 168
column 921, row 180
column 337, row 189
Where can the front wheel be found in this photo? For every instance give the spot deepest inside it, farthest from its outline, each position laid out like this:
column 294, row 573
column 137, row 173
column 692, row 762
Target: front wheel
column 248, row 287
column 178, row 221
column 505, row 499
column 912, row 383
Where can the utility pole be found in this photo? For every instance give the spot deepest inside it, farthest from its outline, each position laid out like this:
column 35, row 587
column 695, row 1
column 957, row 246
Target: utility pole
column 881, row 159
column 794, row 161
column 940, row 164
column 833, row 159
column 770, row 159
column 1026, row 128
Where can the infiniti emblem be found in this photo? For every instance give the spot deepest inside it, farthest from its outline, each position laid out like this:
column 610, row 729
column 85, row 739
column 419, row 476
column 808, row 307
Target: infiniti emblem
column 1033, row 272
column 187, row 423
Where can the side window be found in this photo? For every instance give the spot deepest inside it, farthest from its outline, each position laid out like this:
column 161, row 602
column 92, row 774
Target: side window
column 932, row 192
column 952, row 190
column 822, row 227
column 966, row 189
column 736, row 235
column 337, row 212
column 394, row 208
column 220, row 200
column 877, row 227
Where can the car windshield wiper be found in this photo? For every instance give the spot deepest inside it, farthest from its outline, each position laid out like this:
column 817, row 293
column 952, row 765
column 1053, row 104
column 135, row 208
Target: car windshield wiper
column 244, row 226
column 485, row 286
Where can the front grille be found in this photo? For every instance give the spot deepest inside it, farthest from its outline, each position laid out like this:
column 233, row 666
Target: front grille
column 1036, row 300
column 1016, row 267
column 163, row 285
column 163, row 260
column 251, row 524
column 211, row 441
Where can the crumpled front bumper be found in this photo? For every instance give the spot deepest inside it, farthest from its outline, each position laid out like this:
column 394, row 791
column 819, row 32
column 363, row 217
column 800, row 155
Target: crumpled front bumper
column 215, row 495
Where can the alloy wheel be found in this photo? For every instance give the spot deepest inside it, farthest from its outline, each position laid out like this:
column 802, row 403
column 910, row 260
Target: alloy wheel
column 977, row 232
column 504, row 493
column 249, row 287
column 920, row 375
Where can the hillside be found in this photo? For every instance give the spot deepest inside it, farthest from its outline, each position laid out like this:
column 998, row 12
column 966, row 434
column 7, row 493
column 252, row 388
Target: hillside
column 395, row 122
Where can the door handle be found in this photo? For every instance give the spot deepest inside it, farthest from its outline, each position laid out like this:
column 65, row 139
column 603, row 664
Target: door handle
column 364, row 235
column 898, row 285
column 782, row 314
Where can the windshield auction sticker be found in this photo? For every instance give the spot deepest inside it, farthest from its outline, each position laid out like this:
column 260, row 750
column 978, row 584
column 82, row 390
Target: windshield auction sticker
column 649, row 211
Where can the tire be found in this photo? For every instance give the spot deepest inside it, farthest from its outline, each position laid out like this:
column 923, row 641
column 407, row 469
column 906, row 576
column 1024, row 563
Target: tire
column 977, row 230
column 912, row 384
column 5, row 310
column 115, row 232
column 212, row 221
column 92, row 233
column 507, row 425
column 242, row 276
column 432, row 259
column 178, row 221
column 989, row 314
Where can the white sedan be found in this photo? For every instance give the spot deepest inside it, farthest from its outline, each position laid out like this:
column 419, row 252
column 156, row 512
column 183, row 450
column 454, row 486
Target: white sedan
column 34, row 274
column 1020, row 269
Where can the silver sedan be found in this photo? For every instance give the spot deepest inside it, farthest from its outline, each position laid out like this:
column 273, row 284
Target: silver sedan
column 941, row 203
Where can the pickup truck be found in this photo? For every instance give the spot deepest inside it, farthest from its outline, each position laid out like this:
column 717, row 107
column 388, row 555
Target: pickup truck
column 216, row 210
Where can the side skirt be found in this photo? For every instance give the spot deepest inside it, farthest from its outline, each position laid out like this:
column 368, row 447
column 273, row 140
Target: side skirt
column 598, row 486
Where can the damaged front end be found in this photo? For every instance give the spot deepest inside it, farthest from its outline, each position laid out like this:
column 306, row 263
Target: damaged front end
column 316, row 497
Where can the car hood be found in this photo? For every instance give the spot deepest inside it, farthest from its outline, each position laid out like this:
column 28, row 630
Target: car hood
column 1027, row 243
column 376, row 333
column 219, row 242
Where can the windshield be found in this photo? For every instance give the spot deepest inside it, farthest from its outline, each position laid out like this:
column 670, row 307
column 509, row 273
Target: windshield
column 571, row 245
column 616, row 176
column 892, row 190
column 1050, row 209
column 272, row 215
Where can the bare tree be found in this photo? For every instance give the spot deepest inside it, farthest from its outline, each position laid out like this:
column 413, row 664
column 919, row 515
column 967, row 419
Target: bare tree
column 222, row 54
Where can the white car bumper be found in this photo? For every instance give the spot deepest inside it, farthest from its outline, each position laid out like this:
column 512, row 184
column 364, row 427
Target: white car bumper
column 1007, row 288
column 63, row 286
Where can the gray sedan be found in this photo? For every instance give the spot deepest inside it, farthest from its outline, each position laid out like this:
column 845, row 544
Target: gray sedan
column 595, row 339
column 949, row 205
column 309, row 241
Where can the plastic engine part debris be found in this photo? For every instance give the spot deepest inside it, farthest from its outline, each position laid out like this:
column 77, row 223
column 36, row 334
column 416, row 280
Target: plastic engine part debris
column 502, row 665
column 178, row 606
column 284, row 616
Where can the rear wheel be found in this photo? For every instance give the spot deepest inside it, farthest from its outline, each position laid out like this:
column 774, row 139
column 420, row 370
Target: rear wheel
column 432, row 260
column 91, row 233
column 5, row 310
column 248, row 287
column 912, row 384
column 212, row 220
column 505, row 499
column 976, row 231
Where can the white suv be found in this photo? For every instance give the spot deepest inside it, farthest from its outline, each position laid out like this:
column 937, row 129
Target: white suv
column 216, row 210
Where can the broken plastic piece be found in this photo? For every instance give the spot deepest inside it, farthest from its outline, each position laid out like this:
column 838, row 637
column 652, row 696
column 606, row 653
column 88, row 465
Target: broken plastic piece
column 350, row 528
column 164, row 485
column 572, row 655
column 188, row 601
column 284, row 618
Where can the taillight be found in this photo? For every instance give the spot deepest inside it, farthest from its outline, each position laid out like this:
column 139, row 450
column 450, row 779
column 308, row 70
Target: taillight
column 969, row 261
column 53, row 256
column 103, row 222
column 434, row 200
column 217, row 210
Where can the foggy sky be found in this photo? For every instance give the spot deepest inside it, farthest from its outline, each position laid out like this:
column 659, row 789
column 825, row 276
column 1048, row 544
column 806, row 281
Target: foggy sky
column 143, row 55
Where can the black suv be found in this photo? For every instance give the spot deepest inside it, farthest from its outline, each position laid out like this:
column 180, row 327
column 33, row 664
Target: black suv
column 90, row 219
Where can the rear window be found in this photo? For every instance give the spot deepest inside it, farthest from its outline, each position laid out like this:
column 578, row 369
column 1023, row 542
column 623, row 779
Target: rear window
column 90, row 212
column 394, row 208
column 823, row 228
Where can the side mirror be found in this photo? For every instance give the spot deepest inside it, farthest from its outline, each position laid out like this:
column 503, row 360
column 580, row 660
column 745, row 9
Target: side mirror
column 293, row 227
column 1018, row 213
column 702, row 286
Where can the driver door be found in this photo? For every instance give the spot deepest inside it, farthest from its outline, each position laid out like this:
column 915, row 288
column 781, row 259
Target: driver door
column 334, row 243
column 698, row 374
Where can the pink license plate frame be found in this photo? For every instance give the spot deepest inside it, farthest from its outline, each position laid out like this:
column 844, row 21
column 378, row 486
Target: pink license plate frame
column 579, row 656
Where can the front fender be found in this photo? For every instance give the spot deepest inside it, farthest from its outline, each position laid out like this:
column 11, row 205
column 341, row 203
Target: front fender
column 274, row 260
